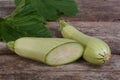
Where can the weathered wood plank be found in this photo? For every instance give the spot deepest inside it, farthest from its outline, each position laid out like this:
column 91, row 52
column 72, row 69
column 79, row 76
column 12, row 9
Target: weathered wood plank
column 6, row 7
column 95, row 10
column 4, row 50
column 61, row 76
column 108, row 31
column 7, row 3
column 14, row 67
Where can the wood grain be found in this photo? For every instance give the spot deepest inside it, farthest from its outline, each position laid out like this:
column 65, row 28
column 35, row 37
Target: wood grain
column 4, row 50
column 95, row 10
column 14, row 67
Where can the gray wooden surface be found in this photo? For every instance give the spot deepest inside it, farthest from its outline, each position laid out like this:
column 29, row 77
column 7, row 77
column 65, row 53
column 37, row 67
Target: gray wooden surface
column 89, row 10
column 13, row 67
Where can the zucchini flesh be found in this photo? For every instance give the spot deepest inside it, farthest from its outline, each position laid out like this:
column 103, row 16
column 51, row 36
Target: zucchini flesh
column 64, row 54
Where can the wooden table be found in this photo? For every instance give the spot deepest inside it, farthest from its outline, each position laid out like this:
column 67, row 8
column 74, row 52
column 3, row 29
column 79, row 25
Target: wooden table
column 98, row 18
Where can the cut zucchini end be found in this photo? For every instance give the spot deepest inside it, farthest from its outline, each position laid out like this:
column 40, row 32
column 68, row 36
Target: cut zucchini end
column 64, row 54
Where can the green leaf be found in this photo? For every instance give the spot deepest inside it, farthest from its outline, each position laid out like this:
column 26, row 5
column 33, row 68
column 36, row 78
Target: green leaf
column 18, row 7
column 1, row 24
column 28, row 19
column 44, row 9
column 17, row 2
column 51, row 9
column 8, row 33
column 1, row 19
column 68, row 7
column 28, row 26
column 25, row 11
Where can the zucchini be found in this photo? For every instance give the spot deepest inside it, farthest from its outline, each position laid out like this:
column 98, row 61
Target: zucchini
column 51, row 51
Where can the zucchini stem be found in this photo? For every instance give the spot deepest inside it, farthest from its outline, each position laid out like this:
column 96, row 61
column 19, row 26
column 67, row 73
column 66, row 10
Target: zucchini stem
column 62, row 24
column 10, row 45
column 106, row 57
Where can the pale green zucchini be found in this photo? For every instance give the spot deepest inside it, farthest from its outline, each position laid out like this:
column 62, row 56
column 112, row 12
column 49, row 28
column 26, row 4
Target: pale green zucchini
column 96, row 51
column 52, row 51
